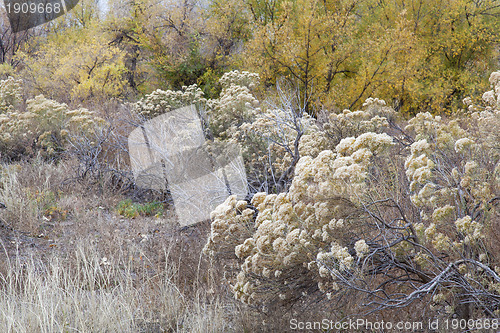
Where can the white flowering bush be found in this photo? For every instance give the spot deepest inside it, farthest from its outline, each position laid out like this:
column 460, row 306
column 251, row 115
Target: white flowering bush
column 45, row 125
column 10, row 94
column 236, row 104
column 374, row 117
column 492, row 97
column 272, row 135
column 231, row 222
column 395, row 212
column 239, row 78
column 161, row 101
column 295, row 229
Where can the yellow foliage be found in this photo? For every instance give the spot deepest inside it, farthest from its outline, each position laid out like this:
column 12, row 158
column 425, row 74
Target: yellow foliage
column 75, row 65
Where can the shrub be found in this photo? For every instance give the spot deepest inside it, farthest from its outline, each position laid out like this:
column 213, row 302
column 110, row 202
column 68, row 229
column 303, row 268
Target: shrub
column 45, row 126
column 10, row 94
column 161, row 101
column 30, row 194
column 396, row 218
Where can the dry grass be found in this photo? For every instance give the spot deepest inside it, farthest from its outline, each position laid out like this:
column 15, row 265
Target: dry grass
column 84, row 292
column 93, row 270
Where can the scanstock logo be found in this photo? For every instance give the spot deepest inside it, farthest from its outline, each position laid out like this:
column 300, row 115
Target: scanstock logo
column 26, row 14
column 170, row 152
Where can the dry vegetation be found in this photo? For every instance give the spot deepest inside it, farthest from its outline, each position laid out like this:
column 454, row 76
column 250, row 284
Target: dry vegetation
column 366, row 215
column 71, row 263
column 358, row 207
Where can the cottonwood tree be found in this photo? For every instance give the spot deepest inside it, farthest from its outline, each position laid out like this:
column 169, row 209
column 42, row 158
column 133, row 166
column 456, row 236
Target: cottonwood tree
column 10, row 42
column 449, row 44
column 305, row 40
column 413, row 53
column 75, row 65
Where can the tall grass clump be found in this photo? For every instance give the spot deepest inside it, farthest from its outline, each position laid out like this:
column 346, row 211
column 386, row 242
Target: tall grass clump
column 85, row 292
